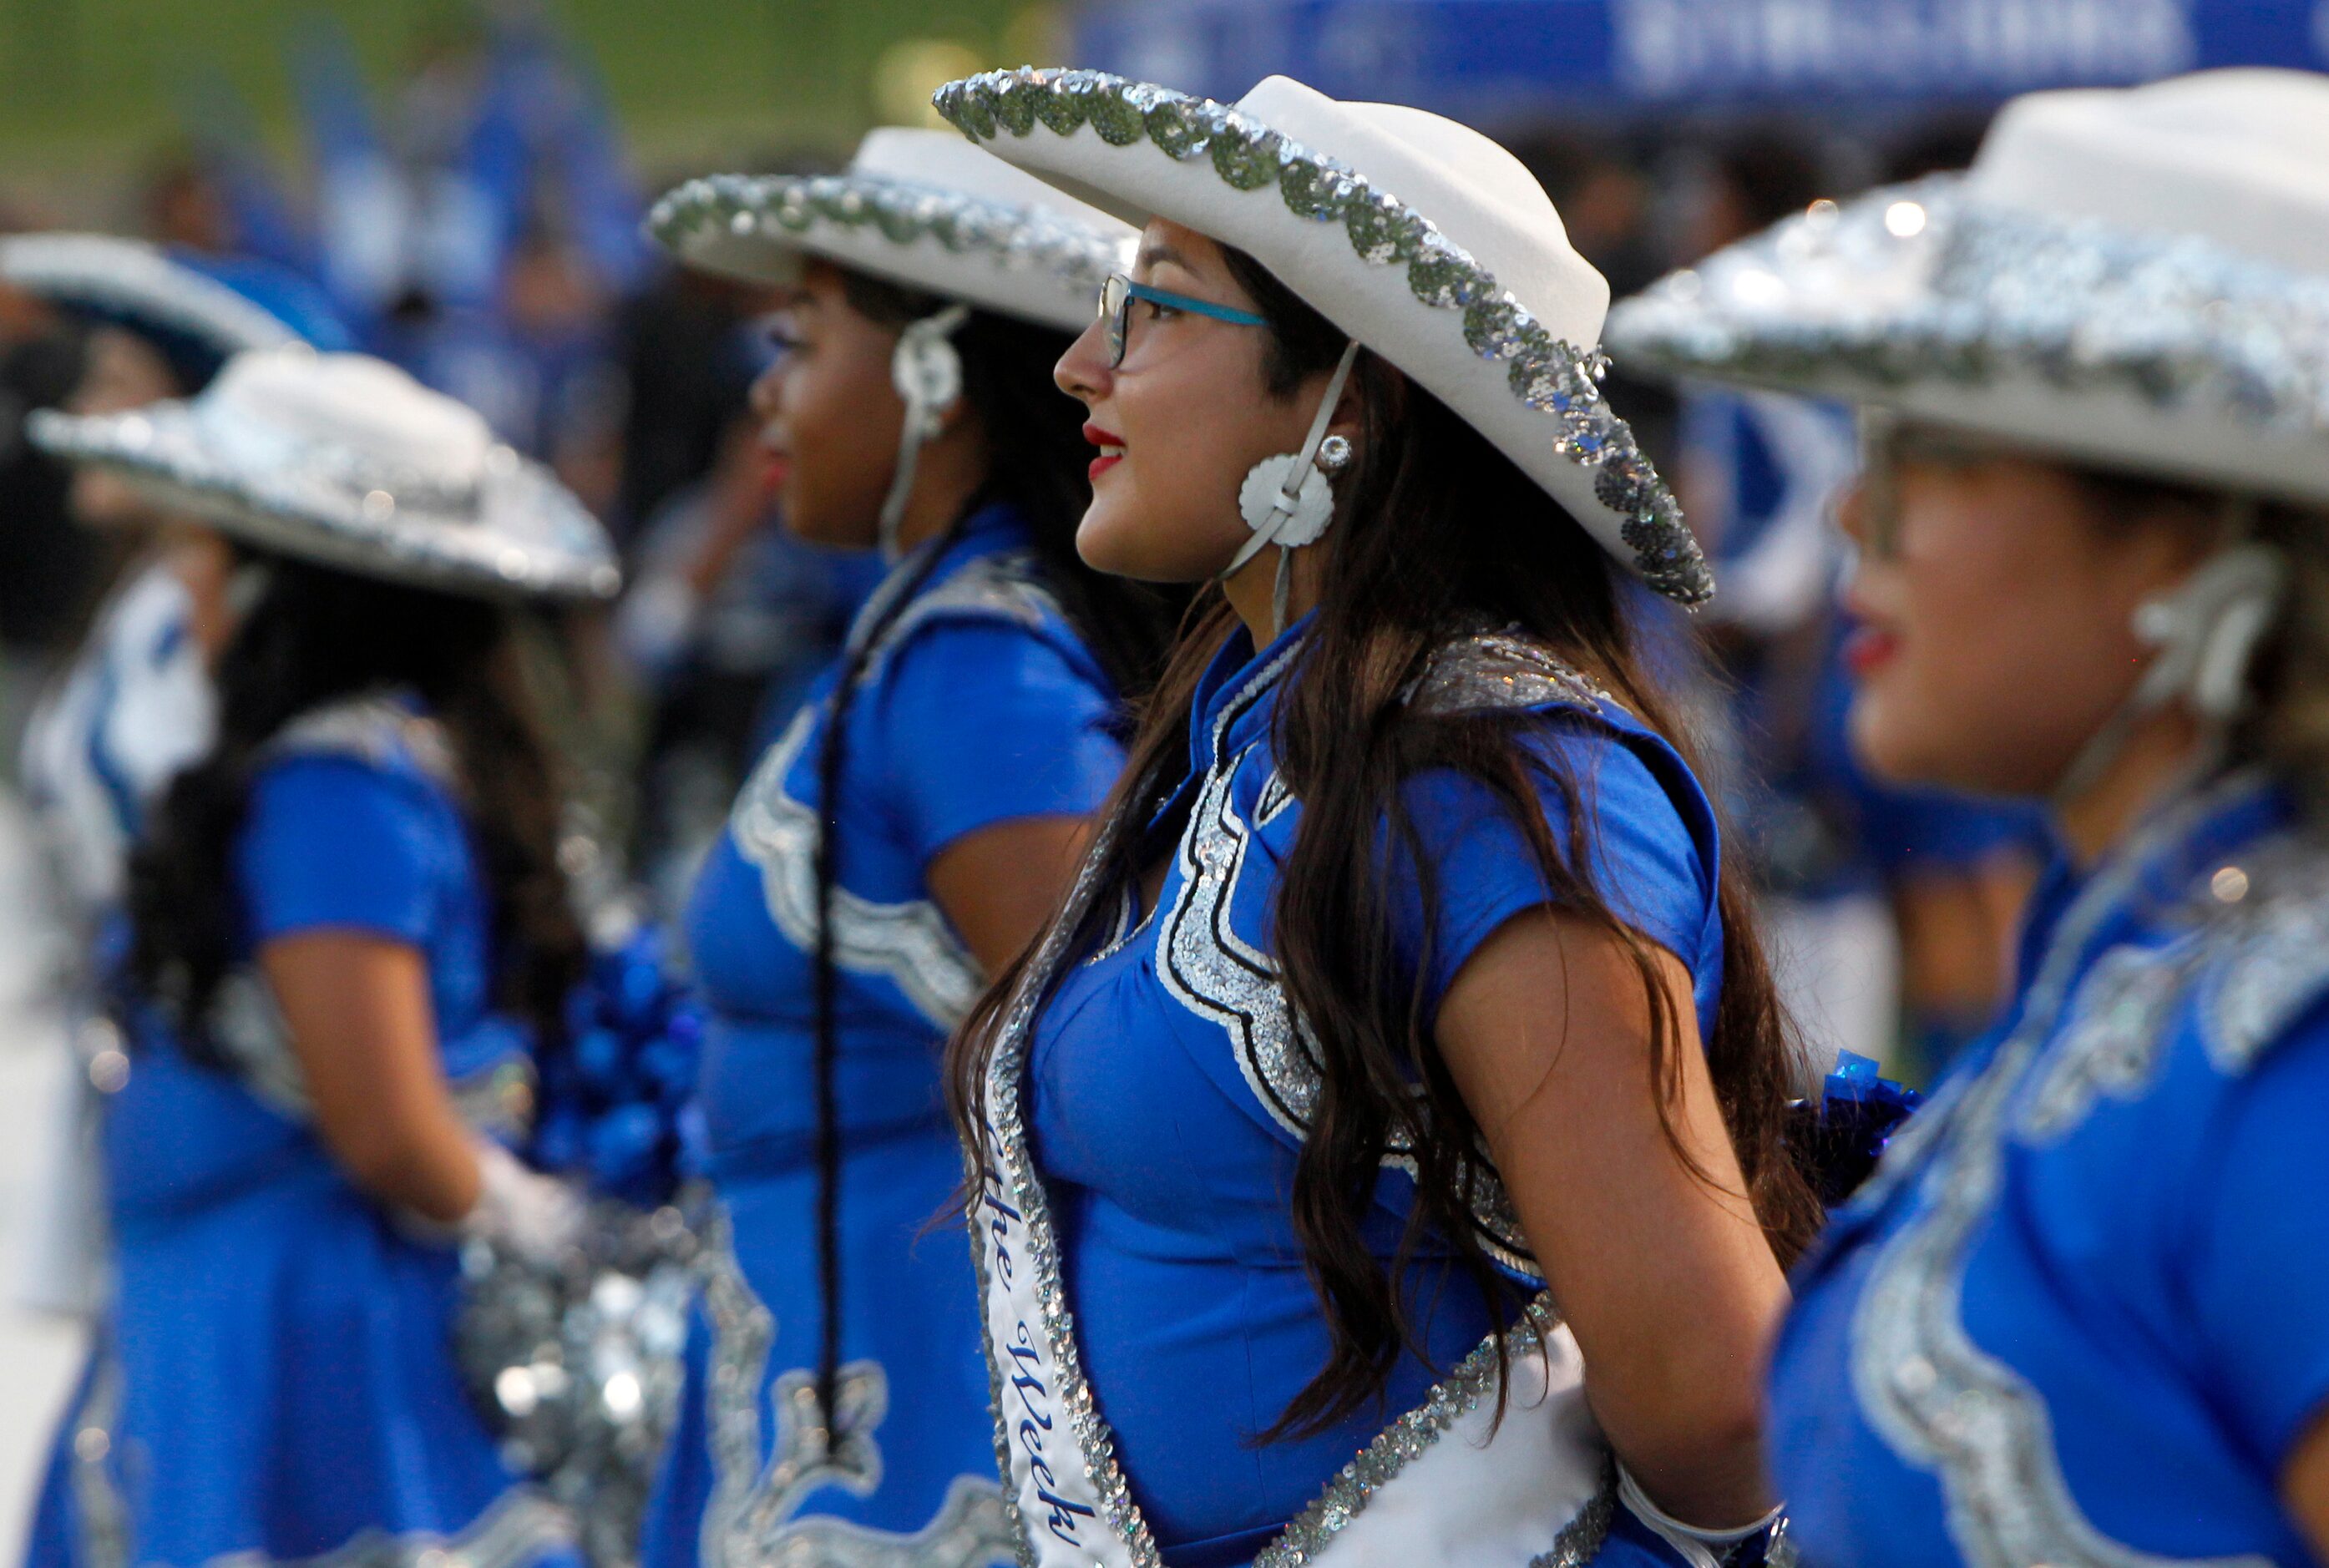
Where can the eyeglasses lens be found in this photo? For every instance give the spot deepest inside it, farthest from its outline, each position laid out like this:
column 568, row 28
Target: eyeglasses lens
column 1115, row 297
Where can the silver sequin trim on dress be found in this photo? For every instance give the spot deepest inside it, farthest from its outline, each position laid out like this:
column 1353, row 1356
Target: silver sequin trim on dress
column 1488, row 671
column 1346, row 1496
column 1215, row 974
column 909, row 941
column 1547, row 375
column 1940, row 1401
column 1472, row 1385
column 2276, row 966
column 247, row 1031
column 753, row 1518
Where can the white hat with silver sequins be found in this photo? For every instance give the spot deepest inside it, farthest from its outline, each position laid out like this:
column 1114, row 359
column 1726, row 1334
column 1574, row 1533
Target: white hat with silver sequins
column 1422, row 239
column 345, row 460
column 108, row 274
column 915, row 207
column 2134, row 277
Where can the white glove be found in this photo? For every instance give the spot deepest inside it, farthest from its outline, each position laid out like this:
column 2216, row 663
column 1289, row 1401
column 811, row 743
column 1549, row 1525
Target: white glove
column 537, row 1216
column 1699, row 1547
column 655, row 622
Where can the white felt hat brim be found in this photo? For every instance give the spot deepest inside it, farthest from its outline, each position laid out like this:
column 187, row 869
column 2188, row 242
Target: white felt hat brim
column 2155, row 355
column 2130, row 278
column 1420, row 239
column 917, row 207
column 110, row 275
column 524, row 536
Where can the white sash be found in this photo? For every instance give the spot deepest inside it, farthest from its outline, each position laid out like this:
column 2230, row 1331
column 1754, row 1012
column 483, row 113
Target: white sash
column 1434, row 1488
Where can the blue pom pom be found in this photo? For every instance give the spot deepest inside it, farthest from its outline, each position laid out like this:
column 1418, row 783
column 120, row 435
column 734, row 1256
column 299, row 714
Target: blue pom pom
column 1841, row 1139
column 613, row 1099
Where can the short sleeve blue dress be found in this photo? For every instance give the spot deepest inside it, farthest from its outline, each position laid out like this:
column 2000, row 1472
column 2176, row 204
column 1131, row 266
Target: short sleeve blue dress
column 1148, row 1314
column 2081, row 1314
column 978, row 705
column 274, row 1379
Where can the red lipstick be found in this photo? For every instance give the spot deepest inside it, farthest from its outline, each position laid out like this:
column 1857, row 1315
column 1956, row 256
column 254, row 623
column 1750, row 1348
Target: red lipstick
column 1111, row 446
column 1869, row 649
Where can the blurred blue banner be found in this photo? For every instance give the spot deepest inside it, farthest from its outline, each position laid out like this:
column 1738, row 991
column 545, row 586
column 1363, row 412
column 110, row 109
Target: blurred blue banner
column 1489, row 60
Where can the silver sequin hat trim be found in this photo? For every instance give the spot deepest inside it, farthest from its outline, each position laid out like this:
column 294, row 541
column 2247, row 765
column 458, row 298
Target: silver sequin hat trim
column 508, row 529
column 915, row 207
column 127, row 277
column 2159, row 354
column 1402, row 284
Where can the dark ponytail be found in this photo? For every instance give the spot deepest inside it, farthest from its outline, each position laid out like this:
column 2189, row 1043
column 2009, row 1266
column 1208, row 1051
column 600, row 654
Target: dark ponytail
column 1036, row 461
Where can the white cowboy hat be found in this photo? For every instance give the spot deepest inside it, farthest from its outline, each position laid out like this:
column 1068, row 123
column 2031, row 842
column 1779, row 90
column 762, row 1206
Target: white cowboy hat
column 1422, row 238
column 134, row 281
column 345, row 460
column 915, row 207
column 2135, row 277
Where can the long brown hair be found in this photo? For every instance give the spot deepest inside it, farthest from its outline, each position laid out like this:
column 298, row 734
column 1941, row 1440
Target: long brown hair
column 316, row 637
column 1437, row 532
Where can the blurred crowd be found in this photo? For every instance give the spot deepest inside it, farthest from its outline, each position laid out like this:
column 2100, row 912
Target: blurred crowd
column 479, row 227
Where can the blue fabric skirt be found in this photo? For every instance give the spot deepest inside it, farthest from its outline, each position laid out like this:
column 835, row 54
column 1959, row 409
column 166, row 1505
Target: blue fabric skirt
column 916, row 1461
column 276, row 1380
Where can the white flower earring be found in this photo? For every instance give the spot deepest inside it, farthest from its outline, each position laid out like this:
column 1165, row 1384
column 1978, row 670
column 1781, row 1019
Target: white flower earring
column 1288, row 501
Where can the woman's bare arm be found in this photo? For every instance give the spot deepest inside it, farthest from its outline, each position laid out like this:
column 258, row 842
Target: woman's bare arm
column 2304, row 1487
column 1666, row 1280
column 362, row 1029
column 999, row 884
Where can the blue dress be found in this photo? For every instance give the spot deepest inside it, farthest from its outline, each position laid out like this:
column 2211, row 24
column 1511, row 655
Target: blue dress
column 2081, row 1314
column 979, row 706
column 274, row 1380
column 1164, row 1096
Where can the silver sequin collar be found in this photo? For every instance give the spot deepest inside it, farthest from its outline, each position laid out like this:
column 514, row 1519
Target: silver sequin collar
column 2094, row 1026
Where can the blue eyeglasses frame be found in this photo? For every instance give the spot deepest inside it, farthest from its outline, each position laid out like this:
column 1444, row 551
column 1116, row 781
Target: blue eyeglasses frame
column 1114, row 310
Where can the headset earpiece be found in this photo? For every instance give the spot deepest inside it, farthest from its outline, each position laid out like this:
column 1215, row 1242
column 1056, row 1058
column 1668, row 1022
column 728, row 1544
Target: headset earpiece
column 927, row 369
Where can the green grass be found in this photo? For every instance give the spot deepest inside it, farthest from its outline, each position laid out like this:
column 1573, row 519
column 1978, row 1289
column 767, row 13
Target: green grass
column 83, row 81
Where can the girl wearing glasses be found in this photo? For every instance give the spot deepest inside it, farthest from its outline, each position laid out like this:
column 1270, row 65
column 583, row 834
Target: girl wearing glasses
column 2081, row 1314
column 901, row 842
column 1378, row 1159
